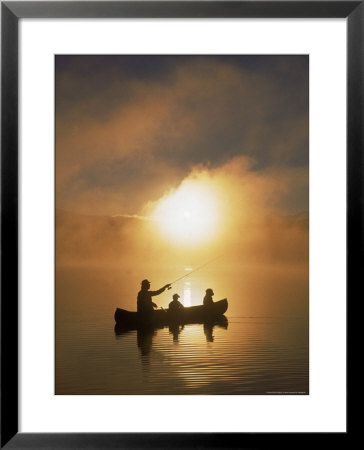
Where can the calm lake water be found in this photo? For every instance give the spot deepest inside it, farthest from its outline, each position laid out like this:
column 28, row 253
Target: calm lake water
column 247, row 355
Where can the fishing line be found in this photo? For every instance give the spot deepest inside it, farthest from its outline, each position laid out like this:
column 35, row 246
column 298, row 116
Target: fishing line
column 194, row 270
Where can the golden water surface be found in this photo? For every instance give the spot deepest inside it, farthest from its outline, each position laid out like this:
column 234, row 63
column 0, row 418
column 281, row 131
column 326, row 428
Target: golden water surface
column 264, row 351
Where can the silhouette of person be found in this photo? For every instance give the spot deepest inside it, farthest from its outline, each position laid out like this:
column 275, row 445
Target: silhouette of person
column 175, row 305
column 207, row 300
column 144, row 299
column 145, row 339
column 208, row 328
column 175, row 329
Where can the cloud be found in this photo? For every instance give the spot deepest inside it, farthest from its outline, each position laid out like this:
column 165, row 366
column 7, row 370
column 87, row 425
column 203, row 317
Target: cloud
column 255, row 225
column 126, row 135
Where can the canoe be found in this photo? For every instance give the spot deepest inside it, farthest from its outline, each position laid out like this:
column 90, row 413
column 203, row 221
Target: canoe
column 145, row 332
column 162, row 317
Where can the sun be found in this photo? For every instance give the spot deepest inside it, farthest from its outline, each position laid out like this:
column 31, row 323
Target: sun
column 189, row 214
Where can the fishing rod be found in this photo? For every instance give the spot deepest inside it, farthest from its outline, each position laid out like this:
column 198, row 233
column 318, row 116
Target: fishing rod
column 194, row 270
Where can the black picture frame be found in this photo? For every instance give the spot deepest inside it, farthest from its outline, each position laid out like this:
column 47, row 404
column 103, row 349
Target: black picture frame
column 11, row 12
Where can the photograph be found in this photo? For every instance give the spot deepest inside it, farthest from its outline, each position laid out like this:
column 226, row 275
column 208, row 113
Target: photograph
column 182, row 211
column 181, row 224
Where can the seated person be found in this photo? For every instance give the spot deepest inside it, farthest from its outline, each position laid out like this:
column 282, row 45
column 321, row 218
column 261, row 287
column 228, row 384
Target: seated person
column 207, row 300
column 175, row 305
column 145, row 304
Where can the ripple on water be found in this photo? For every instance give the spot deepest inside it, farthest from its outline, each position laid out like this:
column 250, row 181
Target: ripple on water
column 251, row 356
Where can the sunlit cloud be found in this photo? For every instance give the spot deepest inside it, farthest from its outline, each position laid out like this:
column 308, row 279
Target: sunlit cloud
column 124, row 135
column 169, row 161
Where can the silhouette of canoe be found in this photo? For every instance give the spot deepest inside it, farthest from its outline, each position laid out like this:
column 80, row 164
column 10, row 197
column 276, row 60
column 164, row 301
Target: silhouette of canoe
column 160, row 318
column 150, row 330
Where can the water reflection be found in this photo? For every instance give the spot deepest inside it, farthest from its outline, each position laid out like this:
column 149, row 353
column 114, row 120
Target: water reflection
column 175, row 330
column 145, row 335
column 153, row 351
column 208, row 328
column 187, row 301
column 145, row 340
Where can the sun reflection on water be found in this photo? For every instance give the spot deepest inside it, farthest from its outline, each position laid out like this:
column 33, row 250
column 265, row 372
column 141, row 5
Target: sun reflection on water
column 187, row 294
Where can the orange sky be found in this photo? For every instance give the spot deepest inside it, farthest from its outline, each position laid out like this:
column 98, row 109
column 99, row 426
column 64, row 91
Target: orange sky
column 132, row 132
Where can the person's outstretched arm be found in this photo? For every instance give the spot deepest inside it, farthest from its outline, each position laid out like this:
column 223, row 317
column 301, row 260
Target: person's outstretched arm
column 159, row 290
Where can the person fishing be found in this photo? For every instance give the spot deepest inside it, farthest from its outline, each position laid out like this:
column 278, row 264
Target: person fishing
column 145, row 304
column 175, row 305
column 207, row 300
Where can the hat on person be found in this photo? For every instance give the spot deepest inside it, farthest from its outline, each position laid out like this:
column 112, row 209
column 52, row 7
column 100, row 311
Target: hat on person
column 175, row 296
column 144, row 282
